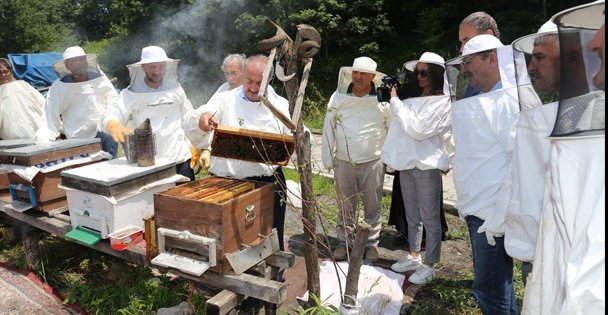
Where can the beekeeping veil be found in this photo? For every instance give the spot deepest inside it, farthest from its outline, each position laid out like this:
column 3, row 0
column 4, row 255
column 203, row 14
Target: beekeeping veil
column 582, row 104
column 73, row 52
column 153, row 55
column 537, row 67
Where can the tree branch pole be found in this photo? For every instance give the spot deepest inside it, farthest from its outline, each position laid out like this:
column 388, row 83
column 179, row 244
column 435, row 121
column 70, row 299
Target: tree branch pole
column 354, row 265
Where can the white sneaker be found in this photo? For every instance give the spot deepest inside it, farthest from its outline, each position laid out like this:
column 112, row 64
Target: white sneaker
column 423, row 274
column 407, row 264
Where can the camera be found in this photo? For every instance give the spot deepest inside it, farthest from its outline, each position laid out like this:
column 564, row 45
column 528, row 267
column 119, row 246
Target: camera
column 406, row 83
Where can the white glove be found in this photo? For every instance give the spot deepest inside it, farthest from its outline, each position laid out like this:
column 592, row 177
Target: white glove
column 489, row 235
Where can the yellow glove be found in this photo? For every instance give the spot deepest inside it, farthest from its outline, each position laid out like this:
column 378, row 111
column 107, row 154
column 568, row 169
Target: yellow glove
column 196, row 156
column 117, row 130
column 206, row 159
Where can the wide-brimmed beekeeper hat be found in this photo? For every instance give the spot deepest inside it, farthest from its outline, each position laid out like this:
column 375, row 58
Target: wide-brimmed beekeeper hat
column 361, row 64
column 427, row 57
column 73, row 52
column 152, row 54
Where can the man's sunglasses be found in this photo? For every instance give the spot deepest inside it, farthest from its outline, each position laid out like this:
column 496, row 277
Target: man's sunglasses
column 422, row 73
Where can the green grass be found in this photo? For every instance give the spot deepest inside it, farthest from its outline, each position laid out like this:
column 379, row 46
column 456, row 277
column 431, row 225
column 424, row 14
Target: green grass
column 99, row 283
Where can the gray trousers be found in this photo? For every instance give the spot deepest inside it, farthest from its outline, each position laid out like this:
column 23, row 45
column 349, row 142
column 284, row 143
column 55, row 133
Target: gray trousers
column 421, row 192
column 351, row 180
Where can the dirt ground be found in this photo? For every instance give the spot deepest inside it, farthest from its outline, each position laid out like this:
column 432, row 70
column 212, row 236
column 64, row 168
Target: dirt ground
column 456, row 262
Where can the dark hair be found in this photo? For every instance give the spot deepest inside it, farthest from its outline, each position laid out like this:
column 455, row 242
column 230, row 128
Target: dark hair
column 436, row 76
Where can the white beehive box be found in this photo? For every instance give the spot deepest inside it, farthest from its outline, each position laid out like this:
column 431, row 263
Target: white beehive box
column 111, row 195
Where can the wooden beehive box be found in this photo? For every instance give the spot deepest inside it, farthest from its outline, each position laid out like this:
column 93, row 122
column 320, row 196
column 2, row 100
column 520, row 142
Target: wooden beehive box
column 208, row 208
column 45, row 185
column 252, row 146
column 9, row 144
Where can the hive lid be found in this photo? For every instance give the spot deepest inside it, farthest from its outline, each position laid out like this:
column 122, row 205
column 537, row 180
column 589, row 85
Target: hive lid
column 41, row 148
column 252, row 145
column 15, row 143
column 111, row 177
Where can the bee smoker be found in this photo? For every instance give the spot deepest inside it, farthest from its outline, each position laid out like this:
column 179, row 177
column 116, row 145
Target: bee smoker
column 144, row 143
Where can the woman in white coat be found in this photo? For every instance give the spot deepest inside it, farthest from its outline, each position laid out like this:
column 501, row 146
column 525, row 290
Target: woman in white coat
column 417, row 147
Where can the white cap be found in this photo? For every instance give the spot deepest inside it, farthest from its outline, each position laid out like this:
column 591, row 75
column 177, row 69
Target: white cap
column 73, row 52
column 481, row 43
column 526, row 43
column 153, row 54
column 427, row 57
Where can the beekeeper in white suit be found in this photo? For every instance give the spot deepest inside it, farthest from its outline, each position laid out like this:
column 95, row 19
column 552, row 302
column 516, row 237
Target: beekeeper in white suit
column 569, row 274
column 20, row 105
column 539, row 74
column 483, row 127
column 77, row 100
column 354, row 130
column 154, row 93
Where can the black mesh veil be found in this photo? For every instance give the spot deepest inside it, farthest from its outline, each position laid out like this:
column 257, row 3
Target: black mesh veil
column 581, row 110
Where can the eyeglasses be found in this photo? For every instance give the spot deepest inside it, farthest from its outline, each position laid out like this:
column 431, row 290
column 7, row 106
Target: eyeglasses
column 421, row 73
column 5, row 72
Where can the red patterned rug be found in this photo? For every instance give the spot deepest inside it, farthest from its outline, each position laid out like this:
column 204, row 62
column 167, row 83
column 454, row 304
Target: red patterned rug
column 23, row 293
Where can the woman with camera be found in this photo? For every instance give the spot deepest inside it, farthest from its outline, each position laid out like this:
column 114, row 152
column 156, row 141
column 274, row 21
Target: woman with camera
column 417, row 147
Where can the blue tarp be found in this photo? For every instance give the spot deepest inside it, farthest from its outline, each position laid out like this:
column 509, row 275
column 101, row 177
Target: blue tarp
column 35, row 69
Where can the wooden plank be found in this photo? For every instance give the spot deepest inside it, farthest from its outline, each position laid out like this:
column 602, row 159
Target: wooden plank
column 259, row 288
column 280, row 259
column 254, row 134
column 58, row 227
column 222, row 303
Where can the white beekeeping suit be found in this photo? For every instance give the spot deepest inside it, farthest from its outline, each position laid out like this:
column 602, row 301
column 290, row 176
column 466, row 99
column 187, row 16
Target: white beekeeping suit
column 232, row 108
column 355, row 127
column 532, row 147
column 20, row 110
column 483, row 127
column 75, row 106
column 167, row 107
column 570, row 259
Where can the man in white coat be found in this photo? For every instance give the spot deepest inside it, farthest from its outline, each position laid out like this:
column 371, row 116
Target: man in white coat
column 156, row 94
column 569, row 274
column 242, row 108
column 20, row 105
column 537, row 75
column 232, row 66
column 484, row 131
column 77, row 100
column 354, row 130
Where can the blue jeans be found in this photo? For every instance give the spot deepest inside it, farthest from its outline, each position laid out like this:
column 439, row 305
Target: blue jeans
column 493, row 282
column 107, row 143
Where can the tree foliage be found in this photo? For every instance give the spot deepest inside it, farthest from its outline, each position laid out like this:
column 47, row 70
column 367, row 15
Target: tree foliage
column 201, row 32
